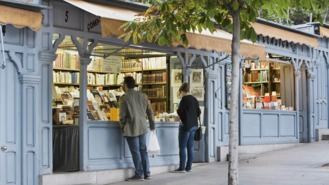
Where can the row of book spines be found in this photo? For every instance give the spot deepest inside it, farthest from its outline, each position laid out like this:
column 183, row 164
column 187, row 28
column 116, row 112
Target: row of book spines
column 95, row 79
column 257, row 76
column 275, row 65
column 73, row 77
column 108, row 79
column 131, row 65
column 71, row 61
column 98, row 65
column 146, row 64
column 66, row 60
column 158, row 107
column 155, row 78
column 159, row 92
column 259, row 65
column 161, row 63
column 66, row 77
column 60, row 90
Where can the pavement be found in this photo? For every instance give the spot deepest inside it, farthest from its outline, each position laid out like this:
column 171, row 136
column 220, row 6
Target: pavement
column 306, row 164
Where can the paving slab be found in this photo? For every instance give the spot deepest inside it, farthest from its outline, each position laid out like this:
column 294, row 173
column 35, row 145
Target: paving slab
column 306, row 164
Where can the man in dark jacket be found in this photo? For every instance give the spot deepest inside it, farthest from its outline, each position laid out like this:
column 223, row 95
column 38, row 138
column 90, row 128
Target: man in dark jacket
column 134, row 107
column 189, row 112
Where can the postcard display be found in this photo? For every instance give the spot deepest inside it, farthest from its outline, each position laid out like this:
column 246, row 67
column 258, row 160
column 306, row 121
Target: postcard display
column 105, row 77
column 196, row 84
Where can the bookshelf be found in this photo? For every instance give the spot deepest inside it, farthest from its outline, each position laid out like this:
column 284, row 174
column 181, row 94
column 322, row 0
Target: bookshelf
column 154, row 82
column 261, row 83
column 104, row 85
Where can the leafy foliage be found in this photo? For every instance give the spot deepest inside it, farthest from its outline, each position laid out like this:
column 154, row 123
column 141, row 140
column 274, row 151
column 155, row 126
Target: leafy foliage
column 300, row 12
column 167, row 22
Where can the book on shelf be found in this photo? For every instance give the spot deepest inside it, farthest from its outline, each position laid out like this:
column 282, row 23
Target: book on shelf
column 96, row 64
column 263, row 76
column 155, row 78
column 67, row 60
column 256, row 76
column 120, row 78
column 112, row 64
column 64, row 105
column 155, row 92
column 131, row 65
column 159, row 107
column 111, row 79
column 276, row 65
column 154, row 63
column 261, row 65
column 66, row 77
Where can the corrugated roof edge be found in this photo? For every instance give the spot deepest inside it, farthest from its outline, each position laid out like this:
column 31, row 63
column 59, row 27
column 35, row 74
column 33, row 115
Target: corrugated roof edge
column 325, row 25
column 124, row 4
column 277, row 25
column 26, row 6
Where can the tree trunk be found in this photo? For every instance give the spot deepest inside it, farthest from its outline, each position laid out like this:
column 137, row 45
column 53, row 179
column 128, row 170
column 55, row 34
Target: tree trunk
column 233, row 178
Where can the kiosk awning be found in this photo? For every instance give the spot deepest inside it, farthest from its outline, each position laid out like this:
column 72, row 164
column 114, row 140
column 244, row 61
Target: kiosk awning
column 290, row 36
column 324, row 31
column 20, row 18
column 111, row 19
column 221, row 41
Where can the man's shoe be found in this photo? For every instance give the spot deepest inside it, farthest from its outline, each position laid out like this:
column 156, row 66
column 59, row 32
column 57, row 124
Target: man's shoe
column 189, row 170
column 179, row 170
column 147, row 177
column 135, row 178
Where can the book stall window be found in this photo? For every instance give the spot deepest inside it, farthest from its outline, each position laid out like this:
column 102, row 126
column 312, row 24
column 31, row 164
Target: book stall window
column 268, row 85
column 105, row 77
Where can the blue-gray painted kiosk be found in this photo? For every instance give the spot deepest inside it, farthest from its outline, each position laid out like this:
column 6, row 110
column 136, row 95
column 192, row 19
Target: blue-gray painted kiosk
column 26, row 99
column 102, row 146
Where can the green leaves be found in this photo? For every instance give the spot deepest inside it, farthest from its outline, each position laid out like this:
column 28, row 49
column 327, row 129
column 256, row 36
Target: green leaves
column 162, row 40
column 247, row 32
column 235, row 5
column 168, row 21
column 285, row 9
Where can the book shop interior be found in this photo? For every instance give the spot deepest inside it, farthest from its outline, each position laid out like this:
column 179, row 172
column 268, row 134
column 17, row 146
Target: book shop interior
column 158, row 75
column 108, row 67
column 268, row 85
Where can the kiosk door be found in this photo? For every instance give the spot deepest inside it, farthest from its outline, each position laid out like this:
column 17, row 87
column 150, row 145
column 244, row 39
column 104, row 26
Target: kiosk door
column 303, row 108
column 10, row 126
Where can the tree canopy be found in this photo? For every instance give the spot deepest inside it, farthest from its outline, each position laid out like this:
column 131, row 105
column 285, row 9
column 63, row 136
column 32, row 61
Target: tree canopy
column 166, row 22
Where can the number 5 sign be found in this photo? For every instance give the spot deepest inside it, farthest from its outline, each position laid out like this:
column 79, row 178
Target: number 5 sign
column 67, row 16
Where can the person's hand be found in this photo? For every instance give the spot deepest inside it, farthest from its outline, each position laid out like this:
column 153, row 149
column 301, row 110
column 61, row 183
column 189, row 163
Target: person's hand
column 122, row 128
column 152, row 128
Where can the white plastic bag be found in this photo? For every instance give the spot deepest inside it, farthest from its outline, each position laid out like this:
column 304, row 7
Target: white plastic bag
column 153, row 143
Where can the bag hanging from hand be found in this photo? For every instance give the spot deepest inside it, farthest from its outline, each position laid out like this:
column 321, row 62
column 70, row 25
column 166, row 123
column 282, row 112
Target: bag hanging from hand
column 153, row 143
column 198, row 132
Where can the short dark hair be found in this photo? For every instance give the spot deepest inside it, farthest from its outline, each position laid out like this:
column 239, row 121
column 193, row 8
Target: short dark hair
column 129, row 81
column 184, row 88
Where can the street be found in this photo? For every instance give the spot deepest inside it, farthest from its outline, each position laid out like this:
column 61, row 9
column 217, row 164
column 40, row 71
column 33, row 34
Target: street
column 301, row 165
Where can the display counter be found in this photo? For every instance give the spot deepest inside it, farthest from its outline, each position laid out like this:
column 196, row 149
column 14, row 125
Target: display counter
column 268, row 127
column 107, row 148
